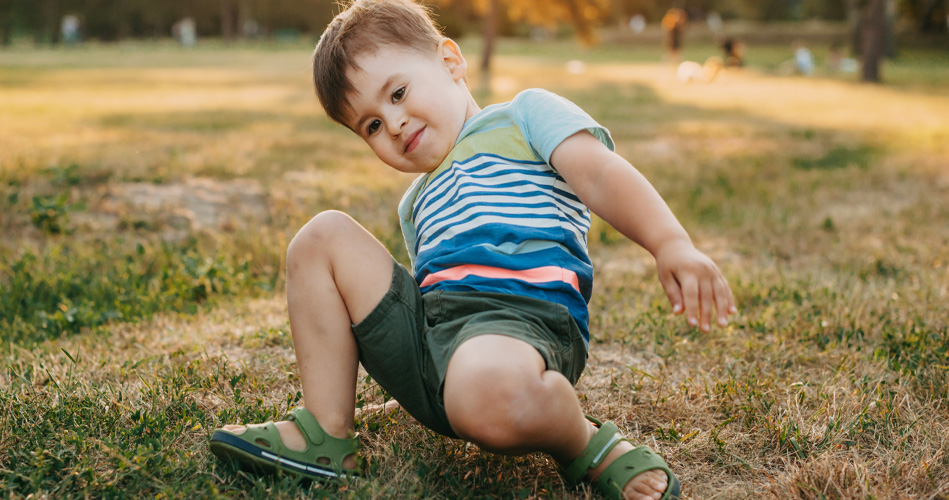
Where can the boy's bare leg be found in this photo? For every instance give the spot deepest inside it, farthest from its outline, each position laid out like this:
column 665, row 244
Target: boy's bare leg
column 499, row 395
column 337, row 273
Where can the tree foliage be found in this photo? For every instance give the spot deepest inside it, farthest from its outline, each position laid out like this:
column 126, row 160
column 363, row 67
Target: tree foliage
column 772, row 10
column 117, row 19
column 927, row 15
column 582, row 15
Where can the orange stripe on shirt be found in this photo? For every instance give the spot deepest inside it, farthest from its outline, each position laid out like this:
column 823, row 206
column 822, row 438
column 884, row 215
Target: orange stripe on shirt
column 544, row 274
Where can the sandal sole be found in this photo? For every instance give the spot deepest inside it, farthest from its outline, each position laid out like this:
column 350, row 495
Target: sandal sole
column 227, row 446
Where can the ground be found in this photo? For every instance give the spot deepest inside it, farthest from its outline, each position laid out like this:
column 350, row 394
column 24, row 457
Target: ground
column 148, row 194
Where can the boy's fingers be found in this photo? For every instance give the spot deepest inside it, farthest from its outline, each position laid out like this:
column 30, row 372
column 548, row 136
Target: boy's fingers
column 706, row 305
column 673, row 292
column 723, row 301
column 690, row 294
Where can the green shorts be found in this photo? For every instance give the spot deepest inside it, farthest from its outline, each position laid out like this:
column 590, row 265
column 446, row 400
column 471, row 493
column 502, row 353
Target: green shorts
column 407, row 340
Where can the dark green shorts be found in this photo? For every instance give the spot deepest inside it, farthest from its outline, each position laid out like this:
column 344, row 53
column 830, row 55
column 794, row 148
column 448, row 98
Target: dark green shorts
column 407, row 340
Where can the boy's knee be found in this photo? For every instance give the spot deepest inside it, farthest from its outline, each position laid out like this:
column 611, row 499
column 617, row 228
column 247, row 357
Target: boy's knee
column 319, row 235
column 495, row 409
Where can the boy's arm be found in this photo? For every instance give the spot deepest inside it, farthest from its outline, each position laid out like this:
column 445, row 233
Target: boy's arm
column 617, row 192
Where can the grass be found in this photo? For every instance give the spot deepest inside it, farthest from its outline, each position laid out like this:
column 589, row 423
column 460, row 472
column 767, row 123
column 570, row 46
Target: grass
column 148, row 194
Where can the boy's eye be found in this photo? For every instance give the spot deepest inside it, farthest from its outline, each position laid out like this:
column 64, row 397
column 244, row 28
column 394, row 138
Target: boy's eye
column 373, row 126
column 398, row 94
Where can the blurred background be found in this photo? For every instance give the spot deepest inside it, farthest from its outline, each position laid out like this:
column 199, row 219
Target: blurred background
column 865, row 29
column 156, row 158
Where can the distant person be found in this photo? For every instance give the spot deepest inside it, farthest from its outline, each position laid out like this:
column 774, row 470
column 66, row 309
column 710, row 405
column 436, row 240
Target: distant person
column 803, row 58
column 69, row 27
column 673, row 25
column 186, row 32
column 733, row 53
column 487, row 334
column 691, row 71
column 838, row 63
column 637, row 23
column 714, row 21
column 251, row 29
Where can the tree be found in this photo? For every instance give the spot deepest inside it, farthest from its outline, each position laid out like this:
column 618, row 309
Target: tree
column 874, row 39
column 928, row 15
column 490, row 33
column 582, row 14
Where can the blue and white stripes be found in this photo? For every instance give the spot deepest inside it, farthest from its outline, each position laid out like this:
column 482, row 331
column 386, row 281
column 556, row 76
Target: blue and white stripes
column 489, row 189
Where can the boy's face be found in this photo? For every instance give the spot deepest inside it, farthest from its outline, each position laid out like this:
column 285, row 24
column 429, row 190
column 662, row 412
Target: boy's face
column 408, row 106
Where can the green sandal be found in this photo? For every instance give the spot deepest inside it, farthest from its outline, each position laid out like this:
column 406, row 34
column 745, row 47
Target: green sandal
column 261, row 449
column 623, row 469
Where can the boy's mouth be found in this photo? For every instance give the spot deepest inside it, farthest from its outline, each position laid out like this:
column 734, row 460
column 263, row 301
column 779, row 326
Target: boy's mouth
column 412, row 141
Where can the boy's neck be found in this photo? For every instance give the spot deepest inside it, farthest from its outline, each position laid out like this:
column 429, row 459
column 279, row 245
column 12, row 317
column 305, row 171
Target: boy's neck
column 473, row 107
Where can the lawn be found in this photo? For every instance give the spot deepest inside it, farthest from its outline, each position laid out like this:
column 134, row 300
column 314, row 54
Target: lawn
column 148, row 192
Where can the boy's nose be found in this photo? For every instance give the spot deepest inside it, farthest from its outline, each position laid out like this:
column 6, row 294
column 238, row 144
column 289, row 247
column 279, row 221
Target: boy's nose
column 394, row 124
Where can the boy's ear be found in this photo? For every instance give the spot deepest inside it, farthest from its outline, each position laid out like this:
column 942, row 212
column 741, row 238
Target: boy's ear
column 450, row 53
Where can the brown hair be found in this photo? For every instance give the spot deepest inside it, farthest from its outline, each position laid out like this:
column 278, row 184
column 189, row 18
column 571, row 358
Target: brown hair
column 363, row 26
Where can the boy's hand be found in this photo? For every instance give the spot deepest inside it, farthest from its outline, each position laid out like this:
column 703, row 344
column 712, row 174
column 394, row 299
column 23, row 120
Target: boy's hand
column 613, row 189
column 694, row 284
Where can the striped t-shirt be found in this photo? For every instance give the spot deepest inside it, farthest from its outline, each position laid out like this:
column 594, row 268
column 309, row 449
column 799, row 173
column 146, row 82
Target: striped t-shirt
column 496, row 217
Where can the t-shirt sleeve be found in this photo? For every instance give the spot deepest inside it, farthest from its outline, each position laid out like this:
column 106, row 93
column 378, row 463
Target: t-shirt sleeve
column 546, row 119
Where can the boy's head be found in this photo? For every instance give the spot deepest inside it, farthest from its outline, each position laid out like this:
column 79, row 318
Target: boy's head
column 383, row 70
column 362, row 28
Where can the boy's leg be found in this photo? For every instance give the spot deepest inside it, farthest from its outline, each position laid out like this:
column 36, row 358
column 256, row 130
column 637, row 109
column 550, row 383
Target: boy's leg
column 499, row 395
column 337, row 272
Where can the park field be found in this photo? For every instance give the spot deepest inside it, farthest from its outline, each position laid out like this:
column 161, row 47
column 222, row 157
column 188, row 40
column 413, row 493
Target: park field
column 148, row 193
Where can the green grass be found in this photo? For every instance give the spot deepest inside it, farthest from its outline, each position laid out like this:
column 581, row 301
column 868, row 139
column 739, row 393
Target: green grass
column 64, row 291
column 148, row 193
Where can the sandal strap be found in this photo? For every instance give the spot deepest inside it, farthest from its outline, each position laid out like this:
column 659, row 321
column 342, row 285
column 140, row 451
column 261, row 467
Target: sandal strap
column 631, row 464
column 311, row 429
column 319, row 443
column 604, row 440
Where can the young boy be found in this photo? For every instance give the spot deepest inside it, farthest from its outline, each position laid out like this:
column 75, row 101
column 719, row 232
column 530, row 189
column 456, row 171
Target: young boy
column 487, row 339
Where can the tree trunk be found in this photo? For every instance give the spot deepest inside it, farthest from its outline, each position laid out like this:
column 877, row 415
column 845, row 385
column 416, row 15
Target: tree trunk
column 584, row 30
column 928, row 13
column 874, row 39
column 6, row 26
column 50, row 22
column 491, row 20
column 890, row 37
column 228, row 19
column 855, row 18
